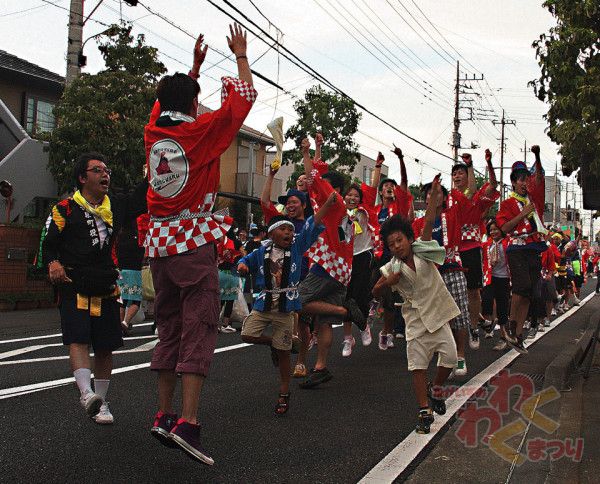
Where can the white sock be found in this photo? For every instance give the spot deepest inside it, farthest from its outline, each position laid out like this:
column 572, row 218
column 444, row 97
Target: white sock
column 83, row 378
column 101, row 387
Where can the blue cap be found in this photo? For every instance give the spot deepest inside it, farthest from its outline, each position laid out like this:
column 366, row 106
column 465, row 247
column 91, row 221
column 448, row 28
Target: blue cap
column 519, row 165
column 292, row 192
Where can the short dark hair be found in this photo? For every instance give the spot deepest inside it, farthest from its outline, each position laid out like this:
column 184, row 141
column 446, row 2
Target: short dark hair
column 386, row 180
column 517, row 174
column 459, row 166
column 396, row 223
column 491, row 222
column 425, row 190
column 355, row 186
column 177, row 92
column 335, row 179
column 81, row 165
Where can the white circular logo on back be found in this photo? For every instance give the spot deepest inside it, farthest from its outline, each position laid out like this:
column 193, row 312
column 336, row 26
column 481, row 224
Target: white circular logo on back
column 169, row 168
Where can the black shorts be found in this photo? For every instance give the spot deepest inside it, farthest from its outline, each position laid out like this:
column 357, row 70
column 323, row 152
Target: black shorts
column 102, row 332
column 525, row 271
column 578, row 281
column 471, row 261
column 325, row 289
column 360, row 286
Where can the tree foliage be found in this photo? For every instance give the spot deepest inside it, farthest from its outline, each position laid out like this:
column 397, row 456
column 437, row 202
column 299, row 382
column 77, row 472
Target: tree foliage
column 336, row 117
column 106, row 112
column 569, row 57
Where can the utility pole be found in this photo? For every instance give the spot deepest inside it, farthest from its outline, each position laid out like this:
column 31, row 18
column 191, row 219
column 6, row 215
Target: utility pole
column 455, row 133
column 524, row 151
column 554, row 207
column 75, row 37
column 251, row 168
column 502, row 122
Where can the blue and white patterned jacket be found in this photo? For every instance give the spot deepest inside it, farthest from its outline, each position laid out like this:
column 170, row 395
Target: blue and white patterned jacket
column 256, row 264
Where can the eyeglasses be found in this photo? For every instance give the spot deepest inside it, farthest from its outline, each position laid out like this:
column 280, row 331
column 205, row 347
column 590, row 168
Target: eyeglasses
column 99, row 170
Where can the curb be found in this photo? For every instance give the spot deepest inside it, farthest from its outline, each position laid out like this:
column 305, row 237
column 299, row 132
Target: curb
column 558, row 371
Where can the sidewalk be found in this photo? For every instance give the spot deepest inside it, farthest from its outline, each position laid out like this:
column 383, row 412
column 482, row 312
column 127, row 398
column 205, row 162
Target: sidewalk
column 508, row 433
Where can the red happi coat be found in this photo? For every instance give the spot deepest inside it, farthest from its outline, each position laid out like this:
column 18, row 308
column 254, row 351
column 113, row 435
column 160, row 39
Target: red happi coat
column 331, row 253
column 487, row 266
column 400, row 206
column 472, row 214
column 523, row 233
column 184, row 171
column 452, row 221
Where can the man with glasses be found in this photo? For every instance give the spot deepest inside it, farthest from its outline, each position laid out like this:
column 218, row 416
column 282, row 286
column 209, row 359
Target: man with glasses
column 77, row 243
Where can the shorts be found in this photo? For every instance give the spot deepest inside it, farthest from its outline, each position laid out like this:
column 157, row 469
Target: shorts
column 578, row 281
column 326, row 289
column 186, row 310
column 420, row 350
column 549, row 290
column 471, row 261
column 78, row 326
column 525, row 266
column 456, row 283
column 360, row 286
column 282, row 327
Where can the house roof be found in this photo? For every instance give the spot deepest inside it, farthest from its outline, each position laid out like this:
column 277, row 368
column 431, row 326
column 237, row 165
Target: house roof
column 244, row 130
column 16, row 64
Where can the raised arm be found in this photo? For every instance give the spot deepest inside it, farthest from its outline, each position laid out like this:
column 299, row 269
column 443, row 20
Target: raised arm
column 492, row 174
column 265, row 197
column 325, row 208
column 539, row 171
column 237, row 44
column 403, row 176
column 199, row 56
column 471, row 182
column 377, row 171
column 318, row 146
column 435, row 200
column 308, row 162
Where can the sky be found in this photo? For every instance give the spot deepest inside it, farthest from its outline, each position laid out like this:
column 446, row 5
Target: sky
column 396, row 57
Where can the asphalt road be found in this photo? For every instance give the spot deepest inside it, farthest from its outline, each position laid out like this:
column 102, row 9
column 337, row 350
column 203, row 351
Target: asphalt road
column 334, row 433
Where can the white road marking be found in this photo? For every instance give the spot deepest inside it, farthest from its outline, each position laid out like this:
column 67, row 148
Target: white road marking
column 138, row 349
column 36, row 387
column 393, row 464
column 27, row 349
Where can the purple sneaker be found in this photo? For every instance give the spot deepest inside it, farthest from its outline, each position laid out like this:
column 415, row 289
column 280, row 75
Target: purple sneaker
column 163, row 424
column 187, row 436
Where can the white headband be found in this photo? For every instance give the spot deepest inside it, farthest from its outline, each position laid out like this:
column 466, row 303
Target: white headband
column 279, row 223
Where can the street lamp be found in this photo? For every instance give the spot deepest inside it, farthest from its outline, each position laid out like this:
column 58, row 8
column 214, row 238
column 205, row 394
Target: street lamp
column 82, row 59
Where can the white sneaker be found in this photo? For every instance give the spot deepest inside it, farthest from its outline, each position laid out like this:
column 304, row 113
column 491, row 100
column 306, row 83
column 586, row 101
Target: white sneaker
column 399, row 336
column 104, row 417
column 547, row 322
column 461, row 367
column 383, row 341
column 228, row 329
column 366, row 337
column 553, row 313
column 474, row 338
column 312, row 342
column 576, row 301
column 91, row 402
column 390, row 340
column 348, row 345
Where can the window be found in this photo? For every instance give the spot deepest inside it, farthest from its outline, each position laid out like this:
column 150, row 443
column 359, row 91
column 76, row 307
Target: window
column 40, row 118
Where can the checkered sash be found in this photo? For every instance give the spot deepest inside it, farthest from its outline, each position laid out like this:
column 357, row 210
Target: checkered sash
column 470, row 232
column 171, row 237
column 335, row 265
column 241, row 87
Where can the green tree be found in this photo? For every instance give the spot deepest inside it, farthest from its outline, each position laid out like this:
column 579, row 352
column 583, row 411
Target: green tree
column 106, row 112
column 569, row 57
column 336, row 117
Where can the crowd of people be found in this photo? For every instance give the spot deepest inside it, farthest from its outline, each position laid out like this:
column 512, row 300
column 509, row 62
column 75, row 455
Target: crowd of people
column 326, row 253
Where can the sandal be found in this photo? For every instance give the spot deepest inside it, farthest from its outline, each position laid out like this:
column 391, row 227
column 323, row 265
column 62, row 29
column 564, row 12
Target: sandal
column 283, row 403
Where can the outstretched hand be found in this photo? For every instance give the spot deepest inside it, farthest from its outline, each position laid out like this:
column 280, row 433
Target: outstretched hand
column 397, row 151
column 380, row 159
column 436, row 196
column 305, row 146
column 199, row 52
column 237, row 41
column 319, row 139
column 488, row 155
column 467, row 159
